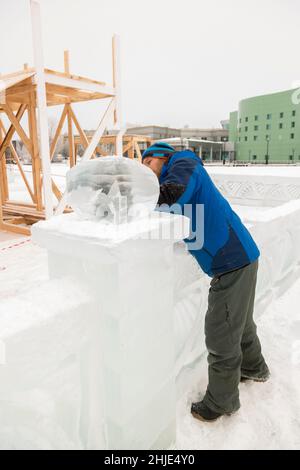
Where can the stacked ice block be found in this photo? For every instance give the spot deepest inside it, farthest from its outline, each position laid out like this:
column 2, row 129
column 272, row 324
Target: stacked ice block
column 128, row 372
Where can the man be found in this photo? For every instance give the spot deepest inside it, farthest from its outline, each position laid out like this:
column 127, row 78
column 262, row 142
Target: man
column 230, row 256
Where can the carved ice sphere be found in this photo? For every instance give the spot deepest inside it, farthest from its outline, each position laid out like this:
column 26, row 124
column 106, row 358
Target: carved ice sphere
column 114, row 189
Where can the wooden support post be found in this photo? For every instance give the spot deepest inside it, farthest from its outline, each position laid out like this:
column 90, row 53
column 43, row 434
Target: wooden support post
column 138, row 152
column 35, row 158
column 66, row 62
column 41, row 105
column 127, row 149
column 117, row 86
column 71, row 137
column 54, row 186
column 131, row 149
column 58, row 131
column 200, row 151
column 1, row 210
column 3, row 171
column 119, row 143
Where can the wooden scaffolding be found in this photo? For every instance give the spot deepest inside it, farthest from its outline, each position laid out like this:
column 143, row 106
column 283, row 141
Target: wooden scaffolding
column 133, row 145
column 28, row 93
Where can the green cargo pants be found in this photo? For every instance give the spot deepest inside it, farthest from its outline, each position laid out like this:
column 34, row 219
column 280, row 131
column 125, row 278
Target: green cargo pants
column 231, row 340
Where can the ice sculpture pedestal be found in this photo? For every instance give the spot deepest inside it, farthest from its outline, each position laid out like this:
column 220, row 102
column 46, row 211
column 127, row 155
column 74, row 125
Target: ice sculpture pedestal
column 128, row 383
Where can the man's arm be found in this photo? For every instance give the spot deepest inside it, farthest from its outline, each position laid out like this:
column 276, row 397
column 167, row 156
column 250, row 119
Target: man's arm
column 170, row 193
column 179, row 183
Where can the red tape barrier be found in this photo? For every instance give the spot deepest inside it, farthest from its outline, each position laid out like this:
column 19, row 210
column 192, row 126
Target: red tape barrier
column 15, row 245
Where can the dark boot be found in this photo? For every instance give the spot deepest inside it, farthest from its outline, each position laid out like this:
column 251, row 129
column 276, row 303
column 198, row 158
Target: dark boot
column 260, row 377
column 202, row 412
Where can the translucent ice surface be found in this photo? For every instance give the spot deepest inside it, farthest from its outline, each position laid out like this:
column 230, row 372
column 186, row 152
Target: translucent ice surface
column 112, row 188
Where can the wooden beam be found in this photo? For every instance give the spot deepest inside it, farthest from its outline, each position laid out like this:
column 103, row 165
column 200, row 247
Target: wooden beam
column 73, row 76
column 82, row 136
column 79, row 84
column 19, row 99
column 44, row 150
column 1, row 209
column 9, row 134
column 137, row 149
column 58, row 131
column 66, row 62
column 101, row 151
column 71, row 137
column 9, row 204
column 16, row 220
column 117, row 87
column 56, row 190
column 58, row 92
column 18, row 128
column 16, row 91
column 3, row 170
column 35, row 157
column 16, row 74
column 126, row 148
column 131, row 149
column 14, row 228
column 99, row 131
column 56, row 100
column 16, row 158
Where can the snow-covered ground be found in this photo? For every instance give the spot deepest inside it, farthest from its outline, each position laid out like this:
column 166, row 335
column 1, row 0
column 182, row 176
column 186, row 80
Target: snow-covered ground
column 270, row 414
column 17, row 188
column 283, row 170
column 269, row 417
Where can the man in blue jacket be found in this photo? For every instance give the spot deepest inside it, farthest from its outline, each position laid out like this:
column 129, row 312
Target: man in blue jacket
column 230, row 256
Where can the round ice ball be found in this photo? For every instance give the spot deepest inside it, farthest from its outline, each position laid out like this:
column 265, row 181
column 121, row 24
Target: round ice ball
column 116, row 189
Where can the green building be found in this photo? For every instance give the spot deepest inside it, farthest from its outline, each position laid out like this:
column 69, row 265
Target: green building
column 266, row 129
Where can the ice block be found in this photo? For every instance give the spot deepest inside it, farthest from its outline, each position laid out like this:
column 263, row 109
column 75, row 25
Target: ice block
column 129, row 370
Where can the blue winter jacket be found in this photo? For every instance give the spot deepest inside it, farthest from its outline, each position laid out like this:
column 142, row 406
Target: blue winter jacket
column 227, row 243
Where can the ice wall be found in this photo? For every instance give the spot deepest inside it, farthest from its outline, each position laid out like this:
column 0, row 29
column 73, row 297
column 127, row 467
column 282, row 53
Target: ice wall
column 251, row 189
column 52, row 394
column 277, row 233
column 44, row 333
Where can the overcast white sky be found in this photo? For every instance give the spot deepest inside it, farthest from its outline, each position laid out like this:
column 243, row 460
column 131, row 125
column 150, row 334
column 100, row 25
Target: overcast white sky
column 183, row 61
